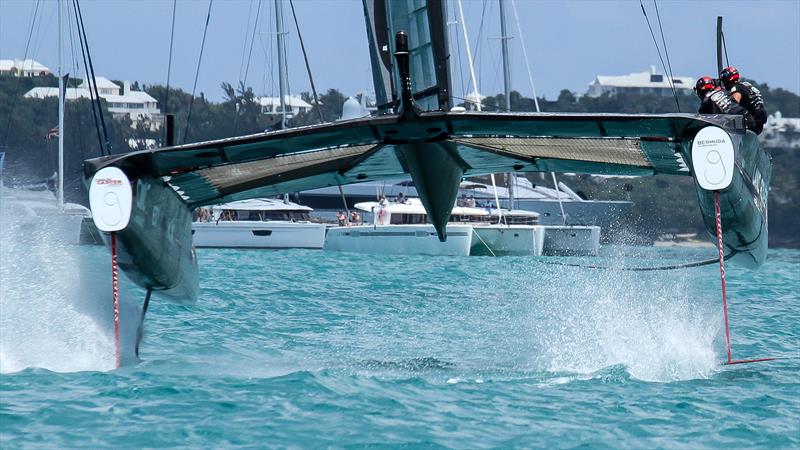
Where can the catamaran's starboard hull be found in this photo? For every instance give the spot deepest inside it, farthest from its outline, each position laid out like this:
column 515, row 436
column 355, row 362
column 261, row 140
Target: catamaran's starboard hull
column 743, row 204
column 252, row 234
column 508, row 240
column 566, row 240
column 400, row 240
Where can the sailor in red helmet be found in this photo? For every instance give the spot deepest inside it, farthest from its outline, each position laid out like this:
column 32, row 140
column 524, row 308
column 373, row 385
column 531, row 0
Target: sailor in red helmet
column 746, row 95
column 715, row 100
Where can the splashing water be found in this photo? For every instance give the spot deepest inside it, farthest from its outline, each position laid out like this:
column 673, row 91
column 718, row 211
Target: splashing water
column 54, row 308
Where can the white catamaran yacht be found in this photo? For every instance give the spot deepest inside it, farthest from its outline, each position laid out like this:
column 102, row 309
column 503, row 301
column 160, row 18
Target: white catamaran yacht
column 257, row 223
column 403, row 228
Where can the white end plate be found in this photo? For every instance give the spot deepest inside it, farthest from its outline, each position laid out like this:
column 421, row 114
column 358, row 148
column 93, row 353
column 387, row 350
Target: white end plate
column 110, row 199
column 713, row 158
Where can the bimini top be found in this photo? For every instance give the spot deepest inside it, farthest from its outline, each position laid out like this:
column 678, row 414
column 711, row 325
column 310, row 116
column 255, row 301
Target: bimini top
column 263, row 204
column 414, row 206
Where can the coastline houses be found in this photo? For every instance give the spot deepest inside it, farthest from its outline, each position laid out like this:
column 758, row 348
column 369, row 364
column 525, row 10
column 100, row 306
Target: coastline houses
column 650, row 82
column 271, row 106
column 123, row 101
column 22, row 68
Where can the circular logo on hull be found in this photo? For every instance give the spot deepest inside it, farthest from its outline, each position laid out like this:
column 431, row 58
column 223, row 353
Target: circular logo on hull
column 713, row 158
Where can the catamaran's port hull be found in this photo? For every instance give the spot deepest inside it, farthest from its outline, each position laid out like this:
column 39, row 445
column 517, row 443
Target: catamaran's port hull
column 155, row 249
column 566, row 240
column 400, row 240
column 252, row 234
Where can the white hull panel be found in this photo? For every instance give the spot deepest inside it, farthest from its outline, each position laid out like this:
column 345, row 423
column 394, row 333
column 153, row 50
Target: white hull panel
column 567, row 240
column 252, row 234
column 400, row 240
column 517, row 240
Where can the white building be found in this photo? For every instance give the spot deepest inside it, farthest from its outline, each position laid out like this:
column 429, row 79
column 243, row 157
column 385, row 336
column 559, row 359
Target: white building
column 272, row 105
column 639, row 83
column 139, row 106
column 781, row 131
column 22, row 68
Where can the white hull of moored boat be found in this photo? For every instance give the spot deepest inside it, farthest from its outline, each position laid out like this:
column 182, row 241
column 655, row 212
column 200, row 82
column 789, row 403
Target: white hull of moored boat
column 568, row 240
column 517, row 240
column 258, row 234
column 400, row 240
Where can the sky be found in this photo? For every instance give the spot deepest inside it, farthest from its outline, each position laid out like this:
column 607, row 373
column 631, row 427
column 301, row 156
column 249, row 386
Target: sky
column 568, row 42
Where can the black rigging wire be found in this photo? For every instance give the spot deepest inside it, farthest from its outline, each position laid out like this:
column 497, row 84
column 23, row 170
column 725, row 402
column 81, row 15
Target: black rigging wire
column 308, row 67
column 706, row 262
column 197, row 72
column 169, row 62
column 725, row 47
column 666, row 53
column 91, row 93
column 247, row 67
column 82, row 32
column 658, row 49
column 19, row 80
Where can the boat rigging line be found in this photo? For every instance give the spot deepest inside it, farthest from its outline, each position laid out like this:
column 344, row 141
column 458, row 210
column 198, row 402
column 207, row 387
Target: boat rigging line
column 169, row 60
column 706, row 262
column 90, row 73
column 91, row 93
column 197, row 72
column 247, row 66
column 19, row 79
column 658, row 49
column 308, row 67
column 666, row 53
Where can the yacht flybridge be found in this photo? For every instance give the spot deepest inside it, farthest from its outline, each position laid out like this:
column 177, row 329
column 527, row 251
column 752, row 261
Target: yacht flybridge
column 146, row 199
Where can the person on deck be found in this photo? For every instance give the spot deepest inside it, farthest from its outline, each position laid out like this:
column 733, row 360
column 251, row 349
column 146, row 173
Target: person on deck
column 746, row 95
column 715, row 100
column 401, row 198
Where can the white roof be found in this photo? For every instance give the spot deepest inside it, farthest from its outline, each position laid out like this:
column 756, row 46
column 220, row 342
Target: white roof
column 27, row 64
column 290, row 100
column 643, row 79
column 102, row 83
column 262, row 204
column 82, row 92
column 130, row 97
column 44, row 92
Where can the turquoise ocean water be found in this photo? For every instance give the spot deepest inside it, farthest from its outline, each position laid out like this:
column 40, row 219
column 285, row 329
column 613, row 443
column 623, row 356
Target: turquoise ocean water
column 317, row 349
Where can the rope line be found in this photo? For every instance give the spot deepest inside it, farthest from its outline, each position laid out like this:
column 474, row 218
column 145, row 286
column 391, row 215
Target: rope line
column 19, row 80
column 169, row 61
column 90, row 72
column 308, row 67
column 115, row 288
column 658, row 49
column 197, row 72
column 666, row 53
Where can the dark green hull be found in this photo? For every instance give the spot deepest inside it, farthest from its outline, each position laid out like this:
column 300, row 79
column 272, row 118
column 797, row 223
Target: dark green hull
column 743, row 205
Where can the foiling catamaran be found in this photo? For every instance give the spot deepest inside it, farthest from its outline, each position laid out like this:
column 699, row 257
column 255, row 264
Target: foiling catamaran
column 145, row 199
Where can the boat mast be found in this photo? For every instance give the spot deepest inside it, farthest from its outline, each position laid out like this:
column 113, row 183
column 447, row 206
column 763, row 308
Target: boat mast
column 476, row 95
column 281, row 59
column 60, row 188
column 719, row 45
column 512, row 177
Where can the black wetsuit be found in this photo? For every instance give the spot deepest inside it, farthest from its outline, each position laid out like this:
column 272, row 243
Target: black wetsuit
column 719, row 101
column 752, row 102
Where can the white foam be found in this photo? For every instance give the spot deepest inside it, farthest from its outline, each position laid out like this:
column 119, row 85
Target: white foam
column 56, row 311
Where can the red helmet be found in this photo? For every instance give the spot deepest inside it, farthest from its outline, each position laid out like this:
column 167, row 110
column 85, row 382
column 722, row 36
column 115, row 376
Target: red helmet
column 729, row 75
column 705, row 84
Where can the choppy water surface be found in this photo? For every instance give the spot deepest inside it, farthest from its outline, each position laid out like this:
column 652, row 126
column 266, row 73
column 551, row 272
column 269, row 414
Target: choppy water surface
column 314, row 349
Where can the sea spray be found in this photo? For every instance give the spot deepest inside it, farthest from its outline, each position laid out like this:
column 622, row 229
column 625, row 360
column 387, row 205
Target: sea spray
column 55, row 296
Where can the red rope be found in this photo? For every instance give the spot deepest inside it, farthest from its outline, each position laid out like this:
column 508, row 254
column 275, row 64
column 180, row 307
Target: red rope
column 720, row 248
column 115, row 278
